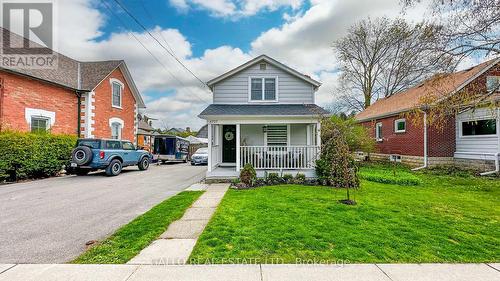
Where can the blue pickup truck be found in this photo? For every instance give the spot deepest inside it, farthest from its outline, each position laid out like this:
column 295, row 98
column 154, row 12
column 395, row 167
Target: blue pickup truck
column 110, row 155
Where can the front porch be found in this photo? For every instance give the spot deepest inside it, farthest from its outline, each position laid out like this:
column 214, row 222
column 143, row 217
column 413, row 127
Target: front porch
column 276, row 146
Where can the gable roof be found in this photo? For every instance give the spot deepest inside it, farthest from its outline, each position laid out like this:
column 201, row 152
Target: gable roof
column 438, row 86
column 73, row 74
column 268, row 60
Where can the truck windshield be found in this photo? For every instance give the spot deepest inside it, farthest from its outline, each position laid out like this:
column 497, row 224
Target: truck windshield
column 95, row 144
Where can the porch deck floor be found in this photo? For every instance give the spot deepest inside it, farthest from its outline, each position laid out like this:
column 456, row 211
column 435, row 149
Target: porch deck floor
column 222, row 172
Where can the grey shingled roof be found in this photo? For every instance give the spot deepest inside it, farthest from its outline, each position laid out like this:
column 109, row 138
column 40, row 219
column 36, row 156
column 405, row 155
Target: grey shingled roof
column 92, row 73
column 263, row 110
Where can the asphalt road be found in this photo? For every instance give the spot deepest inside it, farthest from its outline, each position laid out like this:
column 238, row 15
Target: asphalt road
column 50, row 220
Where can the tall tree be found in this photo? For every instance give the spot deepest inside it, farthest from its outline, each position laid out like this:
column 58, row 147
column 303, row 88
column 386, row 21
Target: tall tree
column 381, row 57
column 468, row 27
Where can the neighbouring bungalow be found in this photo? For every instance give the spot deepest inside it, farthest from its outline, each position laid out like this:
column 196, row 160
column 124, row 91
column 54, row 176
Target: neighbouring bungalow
column 88, row 99
column 145, row 132
column 469, row 138
column 263, row 114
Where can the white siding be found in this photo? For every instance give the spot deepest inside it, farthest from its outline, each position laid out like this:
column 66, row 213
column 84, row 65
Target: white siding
column 476, row 147
column 291, row 89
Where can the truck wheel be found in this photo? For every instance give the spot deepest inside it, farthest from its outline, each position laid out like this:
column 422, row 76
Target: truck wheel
column 82, row 172
column 114, row 168
column 144, row 164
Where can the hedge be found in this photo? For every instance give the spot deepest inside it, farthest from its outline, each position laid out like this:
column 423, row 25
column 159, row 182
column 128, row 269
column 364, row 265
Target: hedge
column 33, row 155
column 389, row 177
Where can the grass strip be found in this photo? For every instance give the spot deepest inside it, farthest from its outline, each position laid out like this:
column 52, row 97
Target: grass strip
column 131, row 238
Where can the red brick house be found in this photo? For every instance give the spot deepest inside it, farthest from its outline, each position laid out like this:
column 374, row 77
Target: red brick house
column 88, row 99
column 470, row 138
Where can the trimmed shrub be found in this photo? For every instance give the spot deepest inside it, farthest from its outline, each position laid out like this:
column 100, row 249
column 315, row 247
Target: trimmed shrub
column 300, row 178
column 33, row 155
column 248, row 175
column 288, row 178
column 273, row 178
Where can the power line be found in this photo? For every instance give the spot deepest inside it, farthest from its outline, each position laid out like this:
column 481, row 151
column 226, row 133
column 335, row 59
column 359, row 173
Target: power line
column 158, row 41
column 150, row 53
column 153, row 21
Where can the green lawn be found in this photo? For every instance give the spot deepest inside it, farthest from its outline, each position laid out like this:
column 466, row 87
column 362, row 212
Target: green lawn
column 444, row 219
column 131, row 238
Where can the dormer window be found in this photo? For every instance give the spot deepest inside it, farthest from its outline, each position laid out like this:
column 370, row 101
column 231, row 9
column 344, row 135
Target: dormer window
column 116, row 93
column 263, row 89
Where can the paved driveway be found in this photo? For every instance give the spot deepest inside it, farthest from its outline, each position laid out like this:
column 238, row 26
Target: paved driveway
column 49, row 221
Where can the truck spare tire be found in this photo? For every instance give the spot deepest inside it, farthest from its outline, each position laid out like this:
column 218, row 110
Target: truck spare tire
column 82, row 155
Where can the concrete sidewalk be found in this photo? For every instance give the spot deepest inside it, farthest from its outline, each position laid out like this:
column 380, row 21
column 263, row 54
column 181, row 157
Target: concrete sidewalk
column 358, row 272
column 176, row 244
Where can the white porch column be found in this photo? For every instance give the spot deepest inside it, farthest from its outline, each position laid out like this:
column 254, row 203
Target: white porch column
column 209, row 168
column 238, row 142
column 318, row 135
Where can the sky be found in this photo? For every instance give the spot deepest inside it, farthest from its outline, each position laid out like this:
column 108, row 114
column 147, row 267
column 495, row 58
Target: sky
column 211, row 37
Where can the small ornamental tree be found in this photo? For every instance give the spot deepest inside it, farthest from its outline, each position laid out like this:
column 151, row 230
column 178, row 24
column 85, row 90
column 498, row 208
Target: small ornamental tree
column 336, row 165
column 248, row 176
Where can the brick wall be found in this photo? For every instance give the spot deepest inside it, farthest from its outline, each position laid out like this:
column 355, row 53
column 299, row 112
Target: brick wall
column 21, row 92
column 408, row 143
column 104, row 111
column 440, row 141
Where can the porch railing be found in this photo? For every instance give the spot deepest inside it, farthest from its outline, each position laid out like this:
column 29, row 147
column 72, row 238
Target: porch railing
column 279, row 157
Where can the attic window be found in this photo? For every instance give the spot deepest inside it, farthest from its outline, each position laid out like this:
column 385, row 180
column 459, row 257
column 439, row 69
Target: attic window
column 263, row 66
column 493, row 83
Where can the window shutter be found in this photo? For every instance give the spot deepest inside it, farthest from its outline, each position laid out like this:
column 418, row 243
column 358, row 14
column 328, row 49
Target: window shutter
column 277, row 136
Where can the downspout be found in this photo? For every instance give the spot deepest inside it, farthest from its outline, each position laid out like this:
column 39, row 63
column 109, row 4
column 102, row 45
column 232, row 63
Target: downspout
column 425, row 145
column 497, row 164
column 79, row 109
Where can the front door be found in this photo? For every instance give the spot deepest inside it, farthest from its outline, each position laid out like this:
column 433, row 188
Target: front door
column 229, row 143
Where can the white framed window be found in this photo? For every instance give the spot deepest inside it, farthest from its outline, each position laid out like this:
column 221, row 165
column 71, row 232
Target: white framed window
column 39, row 124
column 116, row 93
column 493, row 83
column 263, row 89
column 378, row 132
column 116, row 131
column 400, row 126
column 485, row 127
column 276, row 135
column 395, row 158
column 116, row 124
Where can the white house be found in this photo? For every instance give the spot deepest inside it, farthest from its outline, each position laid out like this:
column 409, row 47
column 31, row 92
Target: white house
column 263, row 113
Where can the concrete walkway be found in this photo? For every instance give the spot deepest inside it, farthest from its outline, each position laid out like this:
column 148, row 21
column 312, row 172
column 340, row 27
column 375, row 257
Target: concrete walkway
column 177, row 243
column 358, row 272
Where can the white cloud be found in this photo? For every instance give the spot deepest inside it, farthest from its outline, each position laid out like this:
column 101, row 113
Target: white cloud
column 235, row 8
column 303, row 42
